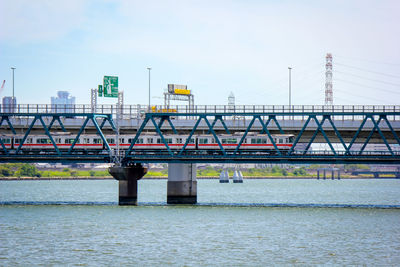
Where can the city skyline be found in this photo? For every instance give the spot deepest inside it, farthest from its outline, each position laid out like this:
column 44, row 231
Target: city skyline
column 214, row 48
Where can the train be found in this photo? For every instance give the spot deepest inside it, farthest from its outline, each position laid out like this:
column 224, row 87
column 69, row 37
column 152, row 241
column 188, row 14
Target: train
column 152, row 141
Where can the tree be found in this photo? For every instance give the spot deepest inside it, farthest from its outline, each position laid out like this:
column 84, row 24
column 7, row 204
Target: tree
column 28, row 170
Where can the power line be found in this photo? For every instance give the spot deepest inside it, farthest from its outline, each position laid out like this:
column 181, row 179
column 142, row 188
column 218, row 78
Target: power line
column 358, row 96
column 362, row 77
column 366, row 86
column 362, row 69
column 367, row 60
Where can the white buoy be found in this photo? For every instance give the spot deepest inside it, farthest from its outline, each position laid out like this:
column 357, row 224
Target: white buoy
column 224, row 177
column 237, row 177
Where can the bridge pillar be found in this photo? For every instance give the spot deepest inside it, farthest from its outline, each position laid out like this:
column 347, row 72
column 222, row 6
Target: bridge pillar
column 127, row 179
column 182, row 184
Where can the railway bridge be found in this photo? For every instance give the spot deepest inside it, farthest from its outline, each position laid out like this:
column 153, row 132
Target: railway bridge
column 322, row 134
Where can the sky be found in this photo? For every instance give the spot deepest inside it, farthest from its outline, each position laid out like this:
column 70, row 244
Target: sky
column 214, row 47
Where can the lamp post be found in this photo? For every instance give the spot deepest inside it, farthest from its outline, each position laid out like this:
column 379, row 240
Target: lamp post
column 13, row 68
column 149, row 89
column 290, row 87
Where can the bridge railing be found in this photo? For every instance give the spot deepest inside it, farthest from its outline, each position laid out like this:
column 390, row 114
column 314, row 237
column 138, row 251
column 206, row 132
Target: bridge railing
column 138, row 111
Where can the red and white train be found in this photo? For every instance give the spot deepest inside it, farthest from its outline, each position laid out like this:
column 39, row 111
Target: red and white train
column 149, row 141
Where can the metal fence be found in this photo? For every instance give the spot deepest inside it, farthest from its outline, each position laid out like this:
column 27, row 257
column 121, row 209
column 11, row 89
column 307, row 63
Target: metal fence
column 138, row 111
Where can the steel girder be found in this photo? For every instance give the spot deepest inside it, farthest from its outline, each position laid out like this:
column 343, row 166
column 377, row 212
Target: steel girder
column 155, row 121
column 17, row 155
column 321, row 119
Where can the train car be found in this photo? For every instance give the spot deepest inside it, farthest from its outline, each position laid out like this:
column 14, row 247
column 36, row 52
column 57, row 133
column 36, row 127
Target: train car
column 63, row 142
column 251, row 142
column 150, row 141
column 154, row 142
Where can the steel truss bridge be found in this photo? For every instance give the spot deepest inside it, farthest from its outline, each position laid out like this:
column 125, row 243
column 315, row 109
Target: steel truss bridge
column 346, row 131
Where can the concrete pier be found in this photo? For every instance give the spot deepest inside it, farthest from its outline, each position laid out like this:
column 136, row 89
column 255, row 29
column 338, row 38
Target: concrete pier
column 182, row 184
column 127, row 177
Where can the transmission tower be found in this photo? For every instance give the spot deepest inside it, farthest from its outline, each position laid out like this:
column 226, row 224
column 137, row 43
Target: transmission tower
column 328, row 81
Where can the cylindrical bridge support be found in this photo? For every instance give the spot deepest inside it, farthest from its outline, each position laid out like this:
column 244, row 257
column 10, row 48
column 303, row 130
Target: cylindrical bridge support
column 127, row 179
column 182, row 184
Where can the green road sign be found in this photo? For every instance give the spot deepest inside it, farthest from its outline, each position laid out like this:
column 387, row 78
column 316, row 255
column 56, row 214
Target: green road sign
column 100, row 91
column 110, row 86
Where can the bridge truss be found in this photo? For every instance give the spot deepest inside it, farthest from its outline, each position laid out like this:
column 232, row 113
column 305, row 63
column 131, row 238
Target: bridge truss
column 323, row 120
column 340, row 148
column 72, row 155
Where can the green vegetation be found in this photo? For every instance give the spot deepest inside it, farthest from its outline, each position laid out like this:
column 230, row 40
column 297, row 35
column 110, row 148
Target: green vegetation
column 28, row 170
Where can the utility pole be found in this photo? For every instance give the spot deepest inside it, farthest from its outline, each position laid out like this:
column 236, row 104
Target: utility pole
column 149, row 89
column 290, row 87
column 13, row 68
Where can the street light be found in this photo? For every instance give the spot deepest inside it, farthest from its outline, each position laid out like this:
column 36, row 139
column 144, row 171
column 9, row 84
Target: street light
column 149, row 89
column 290, row 87
column 13, row 68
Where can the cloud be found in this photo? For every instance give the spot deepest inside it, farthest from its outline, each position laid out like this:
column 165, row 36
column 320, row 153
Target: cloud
column 26, row 21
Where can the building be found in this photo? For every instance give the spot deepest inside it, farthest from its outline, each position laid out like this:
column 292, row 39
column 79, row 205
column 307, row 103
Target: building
column 63, row 102
column 9, row 104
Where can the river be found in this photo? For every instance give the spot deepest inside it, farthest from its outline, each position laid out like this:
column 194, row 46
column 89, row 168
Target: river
column 257, row 223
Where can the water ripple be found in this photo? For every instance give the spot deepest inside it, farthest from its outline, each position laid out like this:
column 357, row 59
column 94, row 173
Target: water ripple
column 240, row 205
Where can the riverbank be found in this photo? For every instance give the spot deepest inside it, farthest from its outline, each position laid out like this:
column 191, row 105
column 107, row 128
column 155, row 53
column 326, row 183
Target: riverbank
column 165, row 178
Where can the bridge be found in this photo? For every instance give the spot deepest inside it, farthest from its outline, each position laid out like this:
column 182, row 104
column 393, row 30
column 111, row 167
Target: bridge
column 347, row 132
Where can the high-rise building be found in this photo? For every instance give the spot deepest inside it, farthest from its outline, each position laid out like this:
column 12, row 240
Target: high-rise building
column 9, row 104
column 63, row 102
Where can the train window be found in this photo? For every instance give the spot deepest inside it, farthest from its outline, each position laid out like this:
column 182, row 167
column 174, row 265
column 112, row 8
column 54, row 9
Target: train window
column 28, row 141
column 86, row 140
column 264, row 140
column 110, row 140
column 43, row 141
column 203, row 140
column 57, row 140
column 71, row 141
column 229, row 141
column 18, row 140
column 212, row 140
column 6, row 140
column 97, row 141
column 253, row 141
column 280, row 141
column 158, row 140
column 291, row 139
column 139, row 141
column 150, row 140
column 191, row 141
column 122, row 140
column 179, row 140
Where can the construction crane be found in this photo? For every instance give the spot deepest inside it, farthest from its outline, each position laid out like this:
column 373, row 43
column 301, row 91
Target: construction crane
column 2, row 86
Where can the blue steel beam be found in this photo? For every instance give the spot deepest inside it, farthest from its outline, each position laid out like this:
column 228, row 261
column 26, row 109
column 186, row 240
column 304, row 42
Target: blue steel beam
column 381, row 134
column 265, row 129
column 26, row 134
column 144, row 123
column 391, row 129
column 190, row 136
column 49, row 135
column 56, row 118
column 216, row 118
column 5, row 118
column 161, row 135
column 356, row 135
column 299, row 136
